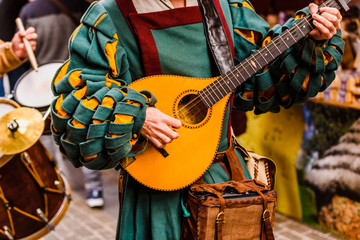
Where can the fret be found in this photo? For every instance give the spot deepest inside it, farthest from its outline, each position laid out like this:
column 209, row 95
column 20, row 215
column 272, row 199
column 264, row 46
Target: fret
column 213, row 100
column 300, row 30
column 229, row 80
column 222, row 90
column 222, row 86
column 232, row 80
column 240, row 73
column 245, row 69
column 254, row 59
column 274, row 43
column 251, row 64
column 309, row 26
column 287, row 31
column 254, row 62
column 202, row 97
column 284, row 42
column 266, row 47
column 287, row 39
column 215, row 94
column 260, row 60
column 262, row 55
column 237, row 75
column 232, row 86
column 209, row 91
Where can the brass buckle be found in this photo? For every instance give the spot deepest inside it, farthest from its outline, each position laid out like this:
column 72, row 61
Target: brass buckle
column 218, row 220
column 125, row 162
column 266, row 218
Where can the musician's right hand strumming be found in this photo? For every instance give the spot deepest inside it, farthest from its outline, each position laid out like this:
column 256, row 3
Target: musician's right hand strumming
column 18, row 45
column 157, row 127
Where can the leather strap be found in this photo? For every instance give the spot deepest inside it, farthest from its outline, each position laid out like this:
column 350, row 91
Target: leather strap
column 267, row 228
column 220, row 218
column 216, row 36
column 237, row 172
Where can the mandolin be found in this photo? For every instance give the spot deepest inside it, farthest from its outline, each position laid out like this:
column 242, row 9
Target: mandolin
column 200, row 104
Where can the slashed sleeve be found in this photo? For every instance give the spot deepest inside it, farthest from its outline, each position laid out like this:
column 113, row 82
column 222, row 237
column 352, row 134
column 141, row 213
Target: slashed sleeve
column 302, row 71
column 96, row 118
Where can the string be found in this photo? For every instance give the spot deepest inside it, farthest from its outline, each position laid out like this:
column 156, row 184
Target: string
column 275, row 41
column 196, row 104
column 209, row 89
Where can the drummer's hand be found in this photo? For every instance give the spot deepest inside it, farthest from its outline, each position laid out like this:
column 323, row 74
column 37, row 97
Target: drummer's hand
column 18, row 45
column 157, row 127
column 326, row 24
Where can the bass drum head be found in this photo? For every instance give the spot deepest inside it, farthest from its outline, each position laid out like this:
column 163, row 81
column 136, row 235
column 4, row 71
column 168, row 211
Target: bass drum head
column 38, row 194
column 6, row 105
column 33, row 89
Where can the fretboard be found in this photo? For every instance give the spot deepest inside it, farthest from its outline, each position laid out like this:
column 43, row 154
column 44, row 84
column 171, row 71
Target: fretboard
column 258, row 60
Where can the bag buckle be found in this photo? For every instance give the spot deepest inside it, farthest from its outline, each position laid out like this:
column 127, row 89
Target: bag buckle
column 219, row 216
column 266, row 215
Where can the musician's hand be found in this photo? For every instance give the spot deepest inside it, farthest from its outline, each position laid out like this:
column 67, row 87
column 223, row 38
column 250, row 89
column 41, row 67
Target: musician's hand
column 326, row 23
column 157, row 127
column 18, row 45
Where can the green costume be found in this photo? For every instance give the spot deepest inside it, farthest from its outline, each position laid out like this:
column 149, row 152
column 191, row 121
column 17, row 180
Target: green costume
column 106, row 55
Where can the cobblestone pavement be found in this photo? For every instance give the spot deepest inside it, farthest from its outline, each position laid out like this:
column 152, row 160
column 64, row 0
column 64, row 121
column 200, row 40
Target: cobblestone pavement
column 289, row 229
column 83, row 223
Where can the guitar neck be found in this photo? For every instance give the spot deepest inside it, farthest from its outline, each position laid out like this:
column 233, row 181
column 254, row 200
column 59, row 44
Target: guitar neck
column 258, row 60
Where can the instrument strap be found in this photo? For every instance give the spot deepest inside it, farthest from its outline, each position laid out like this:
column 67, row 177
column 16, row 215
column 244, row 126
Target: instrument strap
column 216, row 36
column 217, row 42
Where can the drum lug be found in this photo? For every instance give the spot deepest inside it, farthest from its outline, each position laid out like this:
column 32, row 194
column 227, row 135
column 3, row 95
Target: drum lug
column 61, row 187
column 41, row 214
column 27, row 158
column 7, row 233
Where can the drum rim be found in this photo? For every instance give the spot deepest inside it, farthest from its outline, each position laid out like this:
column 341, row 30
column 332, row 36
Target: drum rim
column 8, row 100
column 40, row 108
column 4, row 159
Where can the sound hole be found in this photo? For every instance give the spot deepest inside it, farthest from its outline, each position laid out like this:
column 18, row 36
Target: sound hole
column 191, row 109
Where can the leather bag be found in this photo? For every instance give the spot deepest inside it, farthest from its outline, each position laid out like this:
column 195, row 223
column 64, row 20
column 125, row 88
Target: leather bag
column 239, row 209
column 260, row 167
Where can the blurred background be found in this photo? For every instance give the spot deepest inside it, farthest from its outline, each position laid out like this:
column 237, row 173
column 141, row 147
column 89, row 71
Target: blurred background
column 319, row 173
column 315, row 145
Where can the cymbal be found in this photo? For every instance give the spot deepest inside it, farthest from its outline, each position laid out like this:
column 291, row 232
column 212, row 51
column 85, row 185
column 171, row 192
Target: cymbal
column 20, row 129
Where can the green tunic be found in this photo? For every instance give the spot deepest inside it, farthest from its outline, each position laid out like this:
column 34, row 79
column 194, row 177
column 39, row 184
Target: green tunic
column 168, row 42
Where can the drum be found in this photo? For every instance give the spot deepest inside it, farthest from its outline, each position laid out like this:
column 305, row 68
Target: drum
column 33, row 89
column 6, row 105
column 34, row 196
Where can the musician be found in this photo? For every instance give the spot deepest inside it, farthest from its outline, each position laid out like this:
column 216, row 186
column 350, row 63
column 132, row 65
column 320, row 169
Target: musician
column 45, row 16
column 13, row 53
column 98, row 121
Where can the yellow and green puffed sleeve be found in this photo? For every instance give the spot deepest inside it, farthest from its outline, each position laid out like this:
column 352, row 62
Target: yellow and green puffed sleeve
column 96, row 118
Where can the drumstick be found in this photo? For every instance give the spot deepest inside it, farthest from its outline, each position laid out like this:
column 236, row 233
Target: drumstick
column 29, row 51
column 47, row 113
